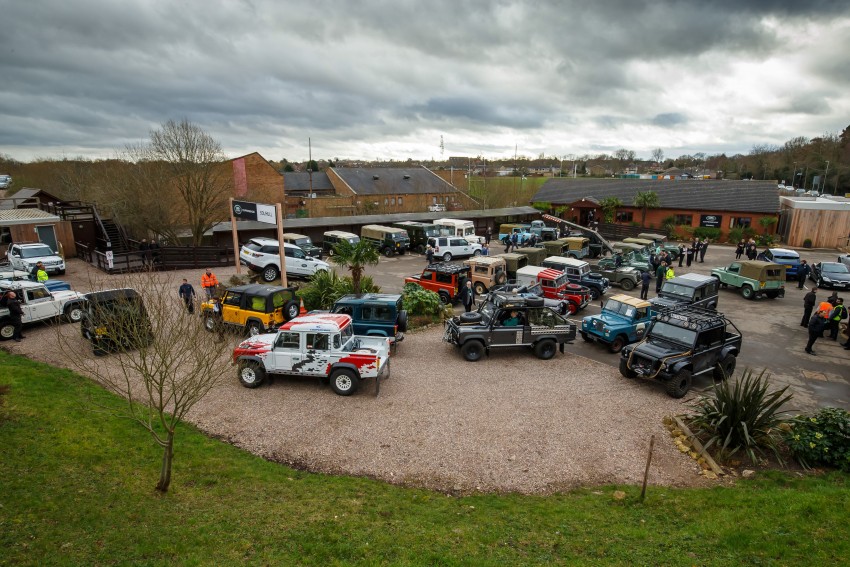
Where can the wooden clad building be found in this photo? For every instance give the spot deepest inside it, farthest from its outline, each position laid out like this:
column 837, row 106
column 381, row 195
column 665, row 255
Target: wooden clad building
column 825, row 221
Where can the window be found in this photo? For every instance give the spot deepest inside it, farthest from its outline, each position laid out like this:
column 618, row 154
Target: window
column 392, row 200
column 288, row 340
column 624, row 216
column 269, row 249
column 317, row 341
column 257, row 303
column 427, row 276
column 683, row 220
column 40, row 293
column 710, row 337
column 376, row 313
column 345, row 310
column 444, row 278
column 740, row 222
column 386, row 201
column 400, row 199
column 232, row 299
column 734, row 268
column 295, row 253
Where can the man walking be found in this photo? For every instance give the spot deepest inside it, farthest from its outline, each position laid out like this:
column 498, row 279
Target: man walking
column 468, row 297
column 802, row 273
column 429, row 254
column 838, row 313
column 659, row 276
column 702, row 250
column 16, row 314
column 817, row 324
column 187, row 294
column 809, row 301
column 644, row 284
column 209, row 282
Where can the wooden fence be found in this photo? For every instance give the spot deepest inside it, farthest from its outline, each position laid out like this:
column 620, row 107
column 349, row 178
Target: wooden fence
column 621, row 231
column 166, row 258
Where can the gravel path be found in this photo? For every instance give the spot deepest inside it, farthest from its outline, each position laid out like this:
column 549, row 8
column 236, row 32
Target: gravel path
column 509, row 423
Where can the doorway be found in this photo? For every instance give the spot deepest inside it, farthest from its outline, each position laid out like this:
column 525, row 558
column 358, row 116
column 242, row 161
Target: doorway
column 47, row 235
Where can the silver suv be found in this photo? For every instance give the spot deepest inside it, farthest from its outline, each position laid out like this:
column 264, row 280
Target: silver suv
column 26, row 256
column 263, row 255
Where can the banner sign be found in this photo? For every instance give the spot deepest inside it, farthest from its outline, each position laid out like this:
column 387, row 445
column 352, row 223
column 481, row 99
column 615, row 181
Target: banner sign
column 254, row 211
column 710, row 221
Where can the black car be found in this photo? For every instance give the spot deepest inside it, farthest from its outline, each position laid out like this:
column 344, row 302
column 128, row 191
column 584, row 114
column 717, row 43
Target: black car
column 116, row 319
column 833, row 275
column 689, row 289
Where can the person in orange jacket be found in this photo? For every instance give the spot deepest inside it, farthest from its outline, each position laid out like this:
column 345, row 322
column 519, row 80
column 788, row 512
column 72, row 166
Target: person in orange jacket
column 209, row 282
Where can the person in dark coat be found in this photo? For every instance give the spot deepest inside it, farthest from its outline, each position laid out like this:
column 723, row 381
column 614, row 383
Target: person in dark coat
column 644, row 284
column 187, row 294
column 802, row 273
column 145, row 251
column 659, row 276
column 702, row 250
column 739, row 250
column 16, row 315
column 809, row 301
column 429, row 254
column 487, row 236
column 681, row 254
column 689, row 255
column 817, row 325
column 838, row 313
column 468, row 296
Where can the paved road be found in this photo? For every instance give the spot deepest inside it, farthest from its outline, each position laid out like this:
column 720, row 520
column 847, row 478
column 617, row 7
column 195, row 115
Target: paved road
column 773, row 339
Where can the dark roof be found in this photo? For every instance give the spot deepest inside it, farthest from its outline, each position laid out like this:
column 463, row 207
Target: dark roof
column 393, row 181
column 27, row 197
column 693, row 194
column 259, row 289
column 112, row 295
column 300, row 181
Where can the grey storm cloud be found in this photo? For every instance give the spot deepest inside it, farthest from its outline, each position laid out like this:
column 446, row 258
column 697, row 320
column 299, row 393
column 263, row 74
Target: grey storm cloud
column 97, row 74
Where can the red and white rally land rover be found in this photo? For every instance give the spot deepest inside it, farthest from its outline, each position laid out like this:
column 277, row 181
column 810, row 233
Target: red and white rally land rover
column 321, row 345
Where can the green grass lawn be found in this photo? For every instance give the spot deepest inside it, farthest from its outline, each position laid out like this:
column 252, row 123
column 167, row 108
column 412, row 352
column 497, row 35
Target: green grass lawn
column 77, row 489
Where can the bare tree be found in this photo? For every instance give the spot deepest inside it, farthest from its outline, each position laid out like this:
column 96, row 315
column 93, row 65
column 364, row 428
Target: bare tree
column 150, row 351
column 657, row 156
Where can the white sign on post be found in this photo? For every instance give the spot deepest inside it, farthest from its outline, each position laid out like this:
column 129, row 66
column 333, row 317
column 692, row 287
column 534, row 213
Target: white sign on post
column 266, row 213
column 109, row 257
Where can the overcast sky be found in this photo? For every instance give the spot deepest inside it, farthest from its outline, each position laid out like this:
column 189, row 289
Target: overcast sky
column 385, row 79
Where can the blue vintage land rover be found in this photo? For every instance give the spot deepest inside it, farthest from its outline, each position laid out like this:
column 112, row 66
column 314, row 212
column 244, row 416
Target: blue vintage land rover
column 623, row 320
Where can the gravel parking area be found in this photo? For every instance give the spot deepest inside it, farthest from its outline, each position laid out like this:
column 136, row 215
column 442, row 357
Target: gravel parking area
column 510, row 423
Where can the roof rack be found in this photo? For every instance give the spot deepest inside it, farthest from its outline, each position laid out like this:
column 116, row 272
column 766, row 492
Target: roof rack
column 691, row 316
column 448, row 267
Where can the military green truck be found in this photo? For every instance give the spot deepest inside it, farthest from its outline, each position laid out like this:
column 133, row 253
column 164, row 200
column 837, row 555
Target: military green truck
column 513, row 262
column 754, row 278
column 661, row 240
column 420, row 232
column 388, row 240
column 535, row 255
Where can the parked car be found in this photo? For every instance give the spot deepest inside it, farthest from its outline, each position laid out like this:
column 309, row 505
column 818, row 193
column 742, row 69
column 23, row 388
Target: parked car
column 545, row 233
column 253, row 308
column 623, row 320
column 513, row 262
column 682, row 343
column 508, row 320
column 446, row 279
column 448, row 247
column 486, row 272
column 420, row 232
column 556, row 285
column 789, row 258
column 25, row 256
column 332, row 238
column 7, row 273
column 304, row 243
column 661, row 240
column 754, row 278
column 375, row 314
column 115, row 319
column 321, row 345
column 579, row 272
column 844, row 259
column 832, row 275
column 689, row 289
column 625, row 276
column 39, row 304
column 262, row 255
column 5, row 181
column 388, row 240
column 567, row 305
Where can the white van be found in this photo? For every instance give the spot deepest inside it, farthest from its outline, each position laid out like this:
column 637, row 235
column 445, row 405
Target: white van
column 463, row 228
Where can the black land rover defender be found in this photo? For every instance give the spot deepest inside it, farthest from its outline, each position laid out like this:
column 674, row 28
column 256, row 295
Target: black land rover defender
column 689, row 289
column 682, row 343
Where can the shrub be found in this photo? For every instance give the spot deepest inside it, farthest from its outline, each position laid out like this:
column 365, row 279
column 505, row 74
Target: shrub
column 807, row 243
column 736, row 234
column 741, row 416
column 420, row 301
column 706, row 232
column 765, row 240
column 822, row 438
column 326, row 287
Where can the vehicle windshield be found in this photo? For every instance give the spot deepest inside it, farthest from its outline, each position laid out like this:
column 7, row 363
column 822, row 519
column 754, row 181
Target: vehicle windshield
column 666, row 331
column 36, row 251
column 353, row 239
column 620, row 308
column 561, row 281
column 347, row 334
column 254, row 246
column 678, row 290
column 469, row 231
column 303, row 241
column 399, row 235
column 833, row 268
column 486, row 310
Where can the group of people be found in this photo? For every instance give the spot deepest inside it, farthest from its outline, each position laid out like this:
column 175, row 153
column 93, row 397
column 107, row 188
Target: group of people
column 828, row 317
column 149, row 251
column 513, row 240
column 748, row 248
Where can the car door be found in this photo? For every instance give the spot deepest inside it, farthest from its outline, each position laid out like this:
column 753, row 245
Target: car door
column 502, row 335
column 230, row 308
column 317, row 355
column 39, row 305
column 461, row 247
column 296, row 262
column 15, row 260
column 286, row 352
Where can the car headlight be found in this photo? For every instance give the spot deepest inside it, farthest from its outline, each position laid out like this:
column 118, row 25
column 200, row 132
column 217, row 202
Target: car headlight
column 826, row 279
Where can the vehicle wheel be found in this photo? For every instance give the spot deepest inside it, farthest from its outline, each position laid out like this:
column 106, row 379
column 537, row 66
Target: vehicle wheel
column 253, row 328
column 617, row 344
column 725, row 368
column 679, row 385
column 480, row 288
column 501, row 278
column 402, row 321
column 6, row 331
column 291, row 310
column 447, row 257
column 772, row 294
column 344, row 382
column 251, row 374
column 586, row 337
column 545, row 349
column 594, row 293
column 627, row 284
column 572, row 307
column 747, row 292
column 625, row 371
column 444, row 297
column 270, row 273
column 420, row 249
column 388, row 252
column 97, row 351
column 74, row 313
column 209, row 322
column 472, row 350
column 476, row 254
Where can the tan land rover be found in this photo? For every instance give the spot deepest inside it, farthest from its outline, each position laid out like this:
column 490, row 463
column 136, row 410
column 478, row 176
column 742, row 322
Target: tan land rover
column 485, row 272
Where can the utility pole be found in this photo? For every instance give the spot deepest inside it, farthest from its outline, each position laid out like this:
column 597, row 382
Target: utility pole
column 823, row 186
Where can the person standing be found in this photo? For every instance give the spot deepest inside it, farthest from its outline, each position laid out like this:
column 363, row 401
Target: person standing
column 739, row 250
column 209, row 282
column 507, row 242
column 145, row 251
column 689, row 254
column 659, row 276
column 644, row 284
column 809, row 301
column 487, row 236
column 514, row 241
column 187, row 294
column 702, row 250
column 697, row 247
column 16, row 315
column 429, row 254
column 218, row 318
column 39, row 274
column 468, row 296
column 802, row 273
column 485, row 249
column 838, row 313
column 681, row 254
column 817, row 324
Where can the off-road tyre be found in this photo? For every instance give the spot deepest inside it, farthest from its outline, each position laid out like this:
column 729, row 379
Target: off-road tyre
column 476, row 254
column 627, row 284
column 625, row 371
column 445, row 297
column 773, row 294
column 472, row 350
column 388, row 252
column 401, row 322
column 617, row 344
column 7, row 330
column 725, row 367
column 420, row 249
column 209, row 322
column 679, row 384
column 480, row 288
column 571, row 307
column 545, row 349
column 447, row 257
column 251, row 374
column 747, row 292
column 74, row 313
column 501, row 278
column 344, row 382
column 270, row 273
column 586, row 338
column 291, row 309
column 253, row 328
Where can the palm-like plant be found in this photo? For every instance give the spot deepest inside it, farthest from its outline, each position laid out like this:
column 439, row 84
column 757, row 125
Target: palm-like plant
column 646, row 200
column 355, row 257
column 609, row 207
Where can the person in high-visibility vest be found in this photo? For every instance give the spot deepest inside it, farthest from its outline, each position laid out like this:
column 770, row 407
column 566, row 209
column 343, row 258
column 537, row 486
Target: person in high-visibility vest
column 40, row 273
column 209, row 282
column 838, row 313
column 669, row 274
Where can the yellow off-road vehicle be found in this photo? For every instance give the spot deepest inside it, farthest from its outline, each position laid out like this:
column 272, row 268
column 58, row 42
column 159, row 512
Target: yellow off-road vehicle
column 256, row 308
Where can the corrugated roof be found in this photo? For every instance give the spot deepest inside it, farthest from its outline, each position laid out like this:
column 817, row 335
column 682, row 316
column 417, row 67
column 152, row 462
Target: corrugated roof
column 300, row 181
column 684, row 194
column 393, row 181
column 10, row 217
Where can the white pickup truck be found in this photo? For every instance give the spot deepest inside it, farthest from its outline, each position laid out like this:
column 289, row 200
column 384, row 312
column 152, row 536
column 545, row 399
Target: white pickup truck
column 39, row 304
column 321, row 345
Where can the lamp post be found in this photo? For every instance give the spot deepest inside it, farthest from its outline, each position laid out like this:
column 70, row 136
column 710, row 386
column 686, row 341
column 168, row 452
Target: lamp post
column 561, row 171
column 823, row 185
column 310, row 196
